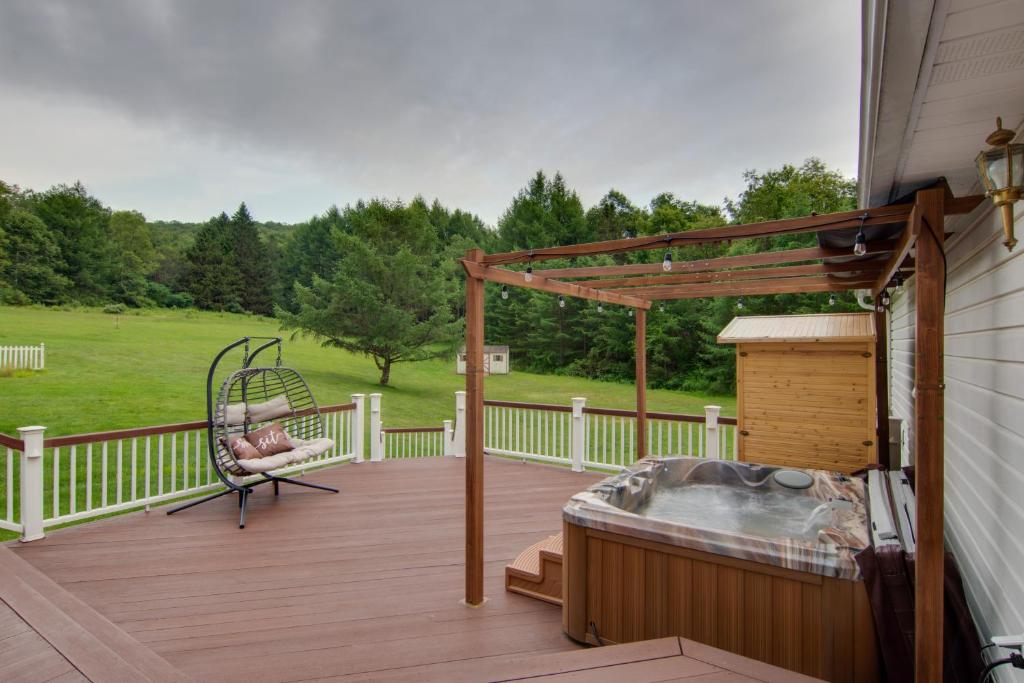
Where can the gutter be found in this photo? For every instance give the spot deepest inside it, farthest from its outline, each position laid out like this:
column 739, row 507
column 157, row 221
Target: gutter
column 873, row 20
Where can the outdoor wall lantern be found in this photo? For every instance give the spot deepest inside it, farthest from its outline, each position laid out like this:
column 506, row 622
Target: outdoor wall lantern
column 1001, row 169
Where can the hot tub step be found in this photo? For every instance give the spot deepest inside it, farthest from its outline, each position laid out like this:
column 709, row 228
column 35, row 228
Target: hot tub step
column 537, row 572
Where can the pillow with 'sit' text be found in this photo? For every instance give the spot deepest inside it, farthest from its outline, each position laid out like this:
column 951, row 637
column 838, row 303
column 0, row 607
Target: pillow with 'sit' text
column 270, row 440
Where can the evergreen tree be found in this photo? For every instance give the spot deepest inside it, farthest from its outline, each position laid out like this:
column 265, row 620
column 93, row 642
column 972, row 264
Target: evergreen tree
column 210, row 275
column 30, row 252
column 387, row 298
column 248, row 256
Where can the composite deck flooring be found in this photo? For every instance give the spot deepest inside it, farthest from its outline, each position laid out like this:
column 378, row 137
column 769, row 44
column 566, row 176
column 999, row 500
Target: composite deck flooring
column 361, row 584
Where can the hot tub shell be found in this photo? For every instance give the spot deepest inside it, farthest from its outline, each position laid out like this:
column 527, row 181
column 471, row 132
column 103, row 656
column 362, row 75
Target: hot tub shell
column 796, row 604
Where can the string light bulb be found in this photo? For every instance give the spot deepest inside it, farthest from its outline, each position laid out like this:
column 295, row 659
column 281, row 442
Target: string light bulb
column 739, row 303
column 661, row 308
column 504, row 291
column 631, row 313
column 666, row 264
column 529, row 274
column 885, row 299
column 600, row 307
column 899, row 282
column 831, row 299
column 561, row 301
column 860, row 243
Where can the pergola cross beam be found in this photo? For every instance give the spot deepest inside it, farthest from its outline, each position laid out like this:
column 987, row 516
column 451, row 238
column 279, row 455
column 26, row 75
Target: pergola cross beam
column 543, row 284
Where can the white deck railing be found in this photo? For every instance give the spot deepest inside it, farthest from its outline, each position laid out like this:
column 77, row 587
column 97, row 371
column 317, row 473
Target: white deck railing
column 23, row 357
column 414, row 442
column 50, row 482
column 598, row 438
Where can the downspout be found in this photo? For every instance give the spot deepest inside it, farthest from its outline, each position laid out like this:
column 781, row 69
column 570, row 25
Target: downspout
column 862, row 294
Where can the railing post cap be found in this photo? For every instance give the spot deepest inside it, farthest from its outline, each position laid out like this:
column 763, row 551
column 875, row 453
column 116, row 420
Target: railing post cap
column 581, row 399
column 35, row 429
column 713, row 409
column 460, row 393
column 377, row 394
column 358, row 395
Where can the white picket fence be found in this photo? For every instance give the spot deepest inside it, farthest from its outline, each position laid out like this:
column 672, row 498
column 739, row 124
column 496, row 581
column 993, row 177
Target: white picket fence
column 23, row 357
column 50, row 482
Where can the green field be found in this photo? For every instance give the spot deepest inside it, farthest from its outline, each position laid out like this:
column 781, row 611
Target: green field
column 149, row 368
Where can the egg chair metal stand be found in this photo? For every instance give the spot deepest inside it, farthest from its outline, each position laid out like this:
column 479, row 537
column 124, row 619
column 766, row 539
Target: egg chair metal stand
column 248, row 398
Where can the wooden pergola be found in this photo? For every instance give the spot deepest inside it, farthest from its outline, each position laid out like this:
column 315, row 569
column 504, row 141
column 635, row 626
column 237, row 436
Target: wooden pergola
column 901, row 239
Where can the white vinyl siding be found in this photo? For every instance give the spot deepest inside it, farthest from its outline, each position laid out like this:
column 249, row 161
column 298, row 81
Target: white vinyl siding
column 984, row 407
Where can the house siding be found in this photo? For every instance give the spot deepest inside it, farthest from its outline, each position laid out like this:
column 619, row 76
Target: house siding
column 984, row 409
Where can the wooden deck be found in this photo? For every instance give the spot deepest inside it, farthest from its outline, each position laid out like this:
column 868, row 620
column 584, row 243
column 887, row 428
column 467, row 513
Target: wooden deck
column 357, row 586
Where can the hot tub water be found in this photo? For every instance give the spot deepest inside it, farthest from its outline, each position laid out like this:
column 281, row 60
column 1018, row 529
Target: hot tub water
column 740, row 509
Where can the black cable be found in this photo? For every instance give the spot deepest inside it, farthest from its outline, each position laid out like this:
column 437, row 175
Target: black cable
column 987, row 671
column 942, row 251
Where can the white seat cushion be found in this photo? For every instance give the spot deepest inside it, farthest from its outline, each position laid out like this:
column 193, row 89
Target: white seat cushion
column 304, row 450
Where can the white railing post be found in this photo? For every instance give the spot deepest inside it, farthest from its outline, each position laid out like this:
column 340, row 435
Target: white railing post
column 42, row 356
column 449, row 435
column 577, row 433
column 711, row 441
column 32, row 483
column 358, row 427
column 376, row 435
column 459, row 447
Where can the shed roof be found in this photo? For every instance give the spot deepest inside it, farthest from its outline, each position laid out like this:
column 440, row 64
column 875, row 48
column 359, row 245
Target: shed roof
column 488, row 349
column 835, row 327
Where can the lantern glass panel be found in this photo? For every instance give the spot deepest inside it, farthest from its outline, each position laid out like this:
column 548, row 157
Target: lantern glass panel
column 1017, row 158
column 995, row 169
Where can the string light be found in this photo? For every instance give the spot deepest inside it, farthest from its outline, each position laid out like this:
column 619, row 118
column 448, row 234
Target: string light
column 529, row 274
column 666, row 264
column 631, row 313
column 831, row 299
column 899, row 282
column 561, row 301
column 739, row 303
column 860, row 244
column 885, row 298
column 504, row 291
column 600, row 307
column 661, row 308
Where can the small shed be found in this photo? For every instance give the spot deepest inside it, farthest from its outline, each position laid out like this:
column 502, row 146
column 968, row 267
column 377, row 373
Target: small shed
column 496, row 361
column 805, row 389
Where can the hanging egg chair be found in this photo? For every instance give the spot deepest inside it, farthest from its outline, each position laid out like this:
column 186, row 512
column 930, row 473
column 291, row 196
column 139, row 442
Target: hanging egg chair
column 262, row 419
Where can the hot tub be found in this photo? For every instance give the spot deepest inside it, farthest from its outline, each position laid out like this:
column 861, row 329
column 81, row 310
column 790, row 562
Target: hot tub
column 754, row 559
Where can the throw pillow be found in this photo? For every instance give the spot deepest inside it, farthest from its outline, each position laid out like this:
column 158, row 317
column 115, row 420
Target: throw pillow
column 270, row 440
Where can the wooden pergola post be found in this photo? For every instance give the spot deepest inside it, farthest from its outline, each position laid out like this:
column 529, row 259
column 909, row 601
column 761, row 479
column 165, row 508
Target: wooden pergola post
column 641, row 383
column 474, row 434
column 927, row 221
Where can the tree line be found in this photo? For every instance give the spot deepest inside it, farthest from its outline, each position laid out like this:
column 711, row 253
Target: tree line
column 381, row 277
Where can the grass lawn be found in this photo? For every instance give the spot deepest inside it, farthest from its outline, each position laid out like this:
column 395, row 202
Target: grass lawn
column 116, row 372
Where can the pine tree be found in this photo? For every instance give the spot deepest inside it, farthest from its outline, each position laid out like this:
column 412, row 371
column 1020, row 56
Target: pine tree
column 210, row 275
column 250, row 259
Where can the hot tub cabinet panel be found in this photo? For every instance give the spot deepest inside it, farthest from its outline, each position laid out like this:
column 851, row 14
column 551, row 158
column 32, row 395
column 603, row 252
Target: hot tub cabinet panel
column 627, row 589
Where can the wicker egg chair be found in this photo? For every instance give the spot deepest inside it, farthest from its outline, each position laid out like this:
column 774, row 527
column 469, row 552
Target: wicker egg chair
column 250, row 398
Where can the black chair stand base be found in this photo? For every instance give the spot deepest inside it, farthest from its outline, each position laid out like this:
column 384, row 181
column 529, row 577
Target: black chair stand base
column 246, row 490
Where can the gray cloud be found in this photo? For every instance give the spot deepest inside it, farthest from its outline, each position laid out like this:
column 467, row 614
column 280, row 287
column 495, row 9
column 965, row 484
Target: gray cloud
column 181, row 109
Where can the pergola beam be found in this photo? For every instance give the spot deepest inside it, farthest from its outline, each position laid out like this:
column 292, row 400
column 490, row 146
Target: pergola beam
column 900, row 253
column 766, row 258
column 793, row 285
column 543, row 284
column 884, row 215
column 866, row 267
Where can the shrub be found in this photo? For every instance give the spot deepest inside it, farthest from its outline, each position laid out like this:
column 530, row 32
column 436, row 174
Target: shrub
column 114, row 309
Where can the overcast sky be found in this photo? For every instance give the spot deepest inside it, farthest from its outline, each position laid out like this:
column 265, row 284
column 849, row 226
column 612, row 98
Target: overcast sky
column 184, row 109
